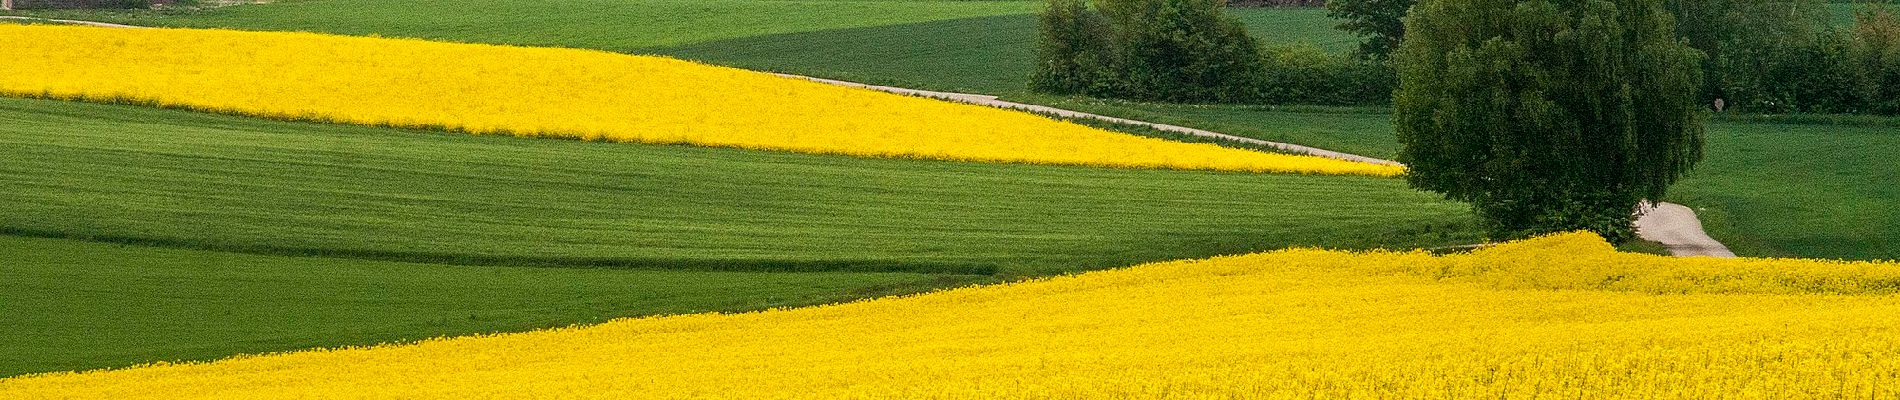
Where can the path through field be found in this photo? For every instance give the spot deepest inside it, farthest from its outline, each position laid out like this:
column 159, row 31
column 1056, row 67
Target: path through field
column 1676, row 226
column 67, row 22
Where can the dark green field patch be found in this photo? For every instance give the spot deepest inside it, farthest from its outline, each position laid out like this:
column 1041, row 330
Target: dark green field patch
column 72, row 305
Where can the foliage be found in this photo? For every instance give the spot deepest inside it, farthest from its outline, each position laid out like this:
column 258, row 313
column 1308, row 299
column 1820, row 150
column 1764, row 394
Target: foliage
column 1166, row 50
column 1562, row 317
column 1547, row 116
column 1073, row 53
column 1381, row 22
column 1182, row 51
column 1876, row 58
column 571, row 93
column 1779, row 56
column 1753, row 47
column 1308, row 75
column 1187, row 51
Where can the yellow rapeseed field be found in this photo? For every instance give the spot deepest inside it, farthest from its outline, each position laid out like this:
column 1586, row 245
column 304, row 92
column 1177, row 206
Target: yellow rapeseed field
column 567, row 93
column 1559, row 317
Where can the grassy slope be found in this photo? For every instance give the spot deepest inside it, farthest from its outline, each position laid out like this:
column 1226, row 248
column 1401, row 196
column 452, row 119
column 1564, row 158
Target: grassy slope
column 81, row 305
column 198, row 180
column 188, row 179
column 1801, row 190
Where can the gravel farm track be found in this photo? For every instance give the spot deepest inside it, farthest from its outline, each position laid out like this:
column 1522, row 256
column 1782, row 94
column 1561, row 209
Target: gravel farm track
column 1675, row 226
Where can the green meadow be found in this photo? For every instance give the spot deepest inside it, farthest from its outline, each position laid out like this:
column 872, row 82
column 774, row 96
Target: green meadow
column 135, row 235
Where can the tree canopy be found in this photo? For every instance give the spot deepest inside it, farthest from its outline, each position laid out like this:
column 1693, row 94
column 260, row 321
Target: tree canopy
column 1548, row 115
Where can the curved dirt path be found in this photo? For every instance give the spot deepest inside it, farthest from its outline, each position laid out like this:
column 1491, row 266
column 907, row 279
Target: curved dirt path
column 1673, row 225
column 1676, row 227
column 68, row 22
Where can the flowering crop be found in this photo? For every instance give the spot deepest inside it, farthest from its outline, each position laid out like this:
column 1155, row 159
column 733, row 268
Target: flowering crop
column 1557, row 317
column 567, row 93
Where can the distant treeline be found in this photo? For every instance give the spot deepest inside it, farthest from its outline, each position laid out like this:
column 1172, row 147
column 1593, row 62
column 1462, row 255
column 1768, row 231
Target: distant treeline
column 1761, row 56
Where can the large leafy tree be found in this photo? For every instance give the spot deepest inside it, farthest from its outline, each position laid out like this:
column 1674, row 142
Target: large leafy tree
column 1548, row 115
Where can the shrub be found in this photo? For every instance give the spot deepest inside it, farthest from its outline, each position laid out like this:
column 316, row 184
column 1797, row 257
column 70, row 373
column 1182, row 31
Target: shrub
column 1754, row 47
column 1547, row 116
column 1304, row 74
column 1183, row 50
column 1876, row 59
column 1165, row 50
column 1381, row 21
column 1073, row 54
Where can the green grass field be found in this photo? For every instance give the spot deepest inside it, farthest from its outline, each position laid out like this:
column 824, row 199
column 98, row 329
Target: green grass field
column 1800, row 190
column 217, row 182
column 81, row 305
column 318, row 229
column 254, row 235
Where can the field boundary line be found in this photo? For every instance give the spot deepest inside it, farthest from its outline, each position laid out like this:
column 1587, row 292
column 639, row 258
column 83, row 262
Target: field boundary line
column 72, row 22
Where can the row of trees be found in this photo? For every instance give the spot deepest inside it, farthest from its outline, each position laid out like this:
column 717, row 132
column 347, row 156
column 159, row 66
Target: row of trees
column 1762, row 56
column 1545, row 115
column 1188, row 51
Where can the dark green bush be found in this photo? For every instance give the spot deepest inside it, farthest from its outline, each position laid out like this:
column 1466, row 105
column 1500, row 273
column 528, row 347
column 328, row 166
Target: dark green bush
column 1309, row 75
column 1162, row 50
column 1073, row 55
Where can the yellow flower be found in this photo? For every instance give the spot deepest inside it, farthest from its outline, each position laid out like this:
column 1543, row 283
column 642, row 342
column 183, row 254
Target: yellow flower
column 567, row 93
column 1556, row 317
